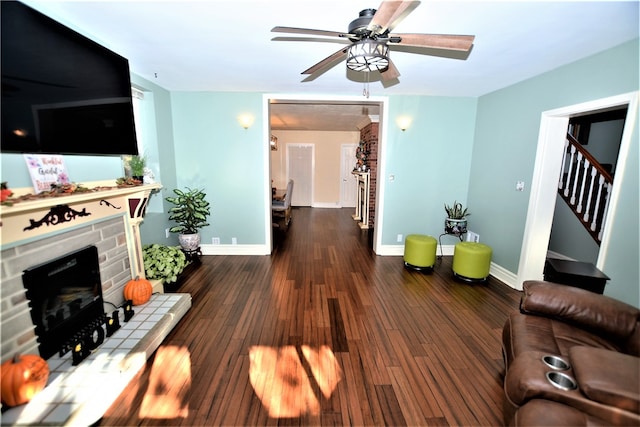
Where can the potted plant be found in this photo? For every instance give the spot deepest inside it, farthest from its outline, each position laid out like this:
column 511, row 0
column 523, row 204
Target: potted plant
column 136, row 166
column 163, row 262
column 456, row 221
column 190, row 211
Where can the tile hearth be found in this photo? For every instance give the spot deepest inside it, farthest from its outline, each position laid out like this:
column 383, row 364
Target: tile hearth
column 80, row 395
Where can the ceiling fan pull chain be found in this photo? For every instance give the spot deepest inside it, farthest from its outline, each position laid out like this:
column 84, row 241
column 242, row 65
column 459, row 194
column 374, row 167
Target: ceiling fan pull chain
column 365, row 91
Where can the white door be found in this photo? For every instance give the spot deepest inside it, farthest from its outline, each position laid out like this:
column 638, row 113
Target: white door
column 348, row 184
column 300, row 166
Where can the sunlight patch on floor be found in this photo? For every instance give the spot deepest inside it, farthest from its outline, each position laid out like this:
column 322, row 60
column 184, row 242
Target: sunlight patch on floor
column 169, row 384
column 282, row 383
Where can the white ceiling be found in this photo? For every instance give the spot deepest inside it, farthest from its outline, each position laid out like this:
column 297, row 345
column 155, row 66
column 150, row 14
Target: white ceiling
column 226, row 45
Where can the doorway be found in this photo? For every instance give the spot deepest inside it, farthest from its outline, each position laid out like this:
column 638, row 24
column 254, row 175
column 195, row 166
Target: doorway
column 270, row 105
column 590, row 164
column 548, row 164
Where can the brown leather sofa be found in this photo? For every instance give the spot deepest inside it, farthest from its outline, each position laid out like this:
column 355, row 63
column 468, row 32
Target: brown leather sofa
column 572, row 358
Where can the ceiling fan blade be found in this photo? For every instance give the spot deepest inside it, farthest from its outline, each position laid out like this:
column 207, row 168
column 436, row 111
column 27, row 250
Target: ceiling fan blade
column 389, row 14
column 390, row 73
column 435, row 41
column 310, row 39
column 328, row 62
column 294, row 30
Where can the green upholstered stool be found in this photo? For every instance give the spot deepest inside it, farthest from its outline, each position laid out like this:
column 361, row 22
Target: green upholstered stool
column 471, row 261
column 420, row 251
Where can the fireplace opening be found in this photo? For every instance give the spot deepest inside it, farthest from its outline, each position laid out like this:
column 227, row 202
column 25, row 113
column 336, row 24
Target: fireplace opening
column 65, row 296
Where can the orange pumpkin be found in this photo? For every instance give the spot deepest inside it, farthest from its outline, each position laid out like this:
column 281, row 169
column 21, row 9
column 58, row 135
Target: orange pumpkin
column 22, row 378
column 138, row 291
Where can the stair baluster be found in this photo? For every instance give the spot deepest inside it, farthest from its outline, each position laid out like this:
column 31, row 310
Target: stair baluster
column 564, row 165
column 585, row 179
column 584, row 182
column 595, row 210
column 566, row 189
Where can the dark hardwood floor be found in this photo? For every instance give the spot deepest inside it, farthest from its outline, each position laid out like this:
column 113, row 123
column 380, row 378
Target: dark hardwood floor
column 324, row 332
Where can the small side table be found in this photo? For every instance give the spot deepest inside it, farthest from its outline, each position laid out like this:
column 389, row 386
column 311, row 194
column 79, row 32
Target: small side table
column 193, row 255
column 458, row 235
column 575, row 273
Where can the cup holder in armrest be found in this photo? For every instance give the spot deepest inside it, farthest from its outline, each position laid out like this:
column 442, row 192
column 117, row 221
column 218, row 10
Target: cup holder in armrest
column 555, row 362
column 561, row 380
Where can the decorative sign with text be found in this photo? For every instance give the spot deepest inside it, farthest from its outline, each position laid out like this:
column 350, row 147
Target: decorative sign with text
column 46, row 169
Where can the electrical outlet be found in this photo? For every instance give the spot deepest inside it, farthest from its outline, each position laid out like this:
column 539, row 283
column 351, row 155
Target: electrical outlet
column 166, row 232
column 520, row 186
column 399, row 238
column 234, row 240
column 473, row 237
column 215, row 240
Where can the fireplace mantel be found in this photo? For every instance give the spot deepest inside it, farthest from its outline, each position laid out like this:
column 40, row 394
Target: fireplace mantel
column 30, row 220
column 110, row 190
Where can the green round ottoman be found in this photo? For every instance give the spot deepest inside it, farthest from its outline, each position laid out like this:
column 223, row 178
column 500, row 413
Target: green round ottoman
column 420, row 251
column 471, row 261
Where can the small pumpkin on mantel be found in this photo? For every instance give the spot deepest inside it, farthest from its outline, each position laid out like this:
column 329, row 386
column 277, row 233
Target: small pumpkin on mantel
column 138, row 291
column 22, row 377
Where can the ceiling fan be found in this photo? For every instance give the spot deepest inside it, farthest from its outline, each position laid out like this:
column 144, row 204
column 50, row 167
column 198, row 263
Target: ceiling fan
column 370, row 39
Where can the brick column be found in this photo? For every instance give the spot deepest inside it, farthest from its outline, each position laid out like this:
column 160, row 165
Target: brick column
column 369, row 134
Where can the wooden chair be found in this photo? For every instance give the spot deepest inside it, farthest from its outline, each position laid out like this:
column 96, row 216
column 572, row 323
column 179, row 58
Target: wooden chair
column 281, row 209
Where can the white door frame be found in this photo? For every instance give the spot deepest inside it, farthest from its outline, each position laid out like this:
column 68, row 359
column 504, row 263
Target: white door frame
column 544, row 184
column 383, row 101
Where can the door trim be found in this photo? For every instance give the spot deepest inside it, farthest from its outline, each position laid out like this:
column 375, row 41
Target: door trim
column 544, row 184
column 383, row 101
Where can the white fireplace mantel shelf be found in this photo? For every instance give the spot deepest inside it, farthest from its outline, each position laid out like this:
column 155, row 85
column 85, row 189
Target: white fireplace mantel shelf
column 29, row 220
column 79, row 197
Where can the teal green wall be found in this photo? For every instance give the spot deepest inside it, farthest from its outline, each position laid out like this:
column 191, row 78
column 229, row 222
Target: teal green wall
column 80, row 168
column 569, row 237
column 504, row 152
column 214, row 153
column 157, row 139
column 430, row 162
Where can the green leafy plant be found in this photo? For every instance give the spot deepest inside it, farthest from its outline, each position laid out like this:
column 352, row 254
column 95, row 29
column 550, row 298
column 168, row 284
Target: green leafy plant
column 137, row 164
column 190, row 211
column 163, row 262
column 456, row 210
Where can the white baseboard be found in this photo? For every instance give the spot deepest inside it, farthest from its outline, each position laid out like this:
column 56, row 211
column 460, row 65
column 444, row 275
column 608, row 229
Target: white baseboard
column 398, row 250
column 234, row 250
column 505, row 276
column 557, row 255
column 326, row 205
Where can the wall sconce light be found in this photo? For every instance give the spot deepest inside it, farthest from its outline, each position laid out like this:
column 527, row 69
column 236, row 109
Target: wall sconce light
column 273, row 142
column 403, row 122
column 245, row 120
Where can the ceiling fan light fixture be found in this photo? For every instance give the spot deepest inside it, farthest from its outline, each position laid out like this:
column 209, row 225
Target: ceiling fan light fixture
column 368, row 55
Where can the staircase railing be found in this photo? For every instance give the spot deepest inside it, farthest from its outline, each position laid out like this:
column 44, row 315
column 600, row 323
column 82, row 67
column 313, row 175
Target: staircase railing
column 586, row 187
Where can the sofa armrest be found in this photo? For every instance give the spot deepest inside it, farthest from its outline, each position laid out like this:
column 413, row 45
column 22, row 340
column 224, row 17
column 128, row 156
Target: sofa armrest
column 608, row 377
column 594, row 312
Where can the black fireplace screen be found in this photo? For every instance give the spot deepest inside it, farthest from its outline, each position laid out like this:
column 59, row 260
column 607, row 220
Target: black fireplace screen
column 65, row 296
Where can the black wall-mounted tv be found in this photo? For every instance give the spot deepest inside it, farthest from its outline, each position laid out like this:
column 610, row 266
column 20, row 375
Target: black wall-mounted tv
column 62, row 93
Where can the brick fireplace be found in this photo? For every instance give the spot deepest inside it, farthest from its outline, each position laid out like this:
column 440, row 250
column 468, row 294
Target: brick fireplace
column 40, row 230
column 37, row 231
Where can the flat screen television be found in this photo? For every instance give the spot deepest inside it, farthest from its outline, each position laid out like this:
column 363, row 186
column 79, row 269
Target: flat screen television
column 62, row 93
